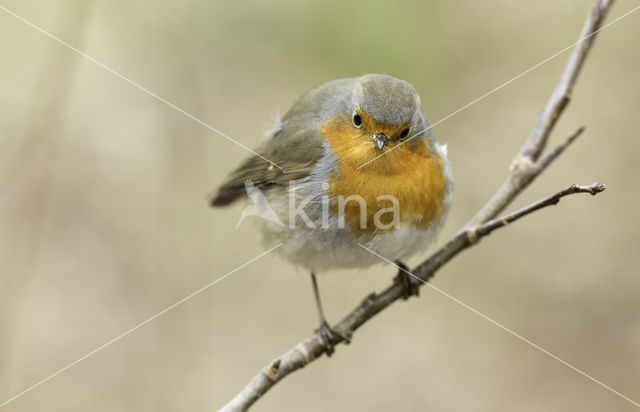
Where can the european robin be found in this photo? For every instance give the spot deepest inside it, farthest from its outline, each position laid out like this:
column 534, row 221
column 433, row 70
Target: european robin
column 352, row 162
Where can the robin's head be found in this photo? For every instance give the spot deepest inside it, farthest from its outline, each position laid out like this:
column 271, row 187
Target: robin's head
column 386, row 110
column 380, row 114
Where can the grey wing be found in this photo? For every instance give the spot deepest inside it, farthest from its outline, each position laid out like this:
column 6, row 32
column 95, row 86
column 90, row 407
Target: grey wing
column 294, row 150
column 295, row 147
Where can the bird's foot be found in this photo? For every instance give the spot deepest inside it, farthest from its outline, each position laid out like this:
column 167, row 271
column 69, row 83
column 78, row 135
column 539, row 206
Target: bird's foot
column 410, row 284
column 328, row 335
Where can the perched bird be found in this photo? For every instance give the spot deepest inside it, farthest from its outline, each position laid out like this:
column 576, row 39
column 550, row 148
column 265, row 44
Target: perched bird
column 352, row 163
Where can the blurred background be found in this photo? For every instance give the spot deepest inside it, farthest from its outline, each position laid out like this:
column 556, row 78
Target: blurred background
column 104, row 220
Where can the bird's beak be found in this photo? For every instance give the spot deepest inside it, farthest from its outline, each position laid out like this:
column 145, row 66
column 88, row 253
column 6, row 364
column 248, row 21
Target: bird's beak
column 380, row 140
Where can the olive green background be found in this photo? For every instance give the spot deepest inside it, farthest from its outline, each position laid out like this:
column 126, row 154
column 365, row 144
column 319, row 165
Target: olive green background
column 104, row 221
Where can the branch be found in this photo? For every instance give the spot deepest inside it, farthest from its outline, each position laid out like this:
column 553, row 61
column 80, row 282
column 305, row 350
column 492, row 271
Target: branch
column 312, row 348
column 524, row 169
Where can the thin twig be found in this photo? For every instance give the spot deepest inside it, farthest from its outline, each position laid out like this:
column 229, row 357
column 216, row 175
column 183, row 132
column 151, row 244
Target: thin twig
column 525, row 168
column 494, row 224
column 555, row 153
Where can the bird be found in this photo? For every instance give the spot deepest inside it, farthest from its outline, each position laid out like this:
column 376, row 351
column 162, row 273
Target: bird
column 352, row 167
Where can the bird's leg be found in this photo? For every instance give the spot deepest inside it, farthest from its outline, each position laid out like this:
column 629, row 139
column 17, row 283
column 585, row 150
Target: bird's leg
column 326, row 332
column 410, row 285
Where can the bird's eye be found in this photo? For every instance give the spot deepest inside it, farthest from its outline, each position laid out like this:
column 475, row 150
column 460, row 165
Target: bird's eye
column 404, row 133
column 357, row 120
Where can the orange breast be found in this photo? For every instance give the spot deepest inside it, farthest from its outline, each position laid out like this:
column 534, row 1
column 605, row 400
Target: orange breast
column 412, row 173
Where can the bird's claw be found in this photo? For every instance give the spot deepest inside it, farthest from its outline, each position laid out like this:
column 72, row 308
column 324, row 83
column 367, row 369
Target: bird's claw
column 328, row 335
column 410, row 285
